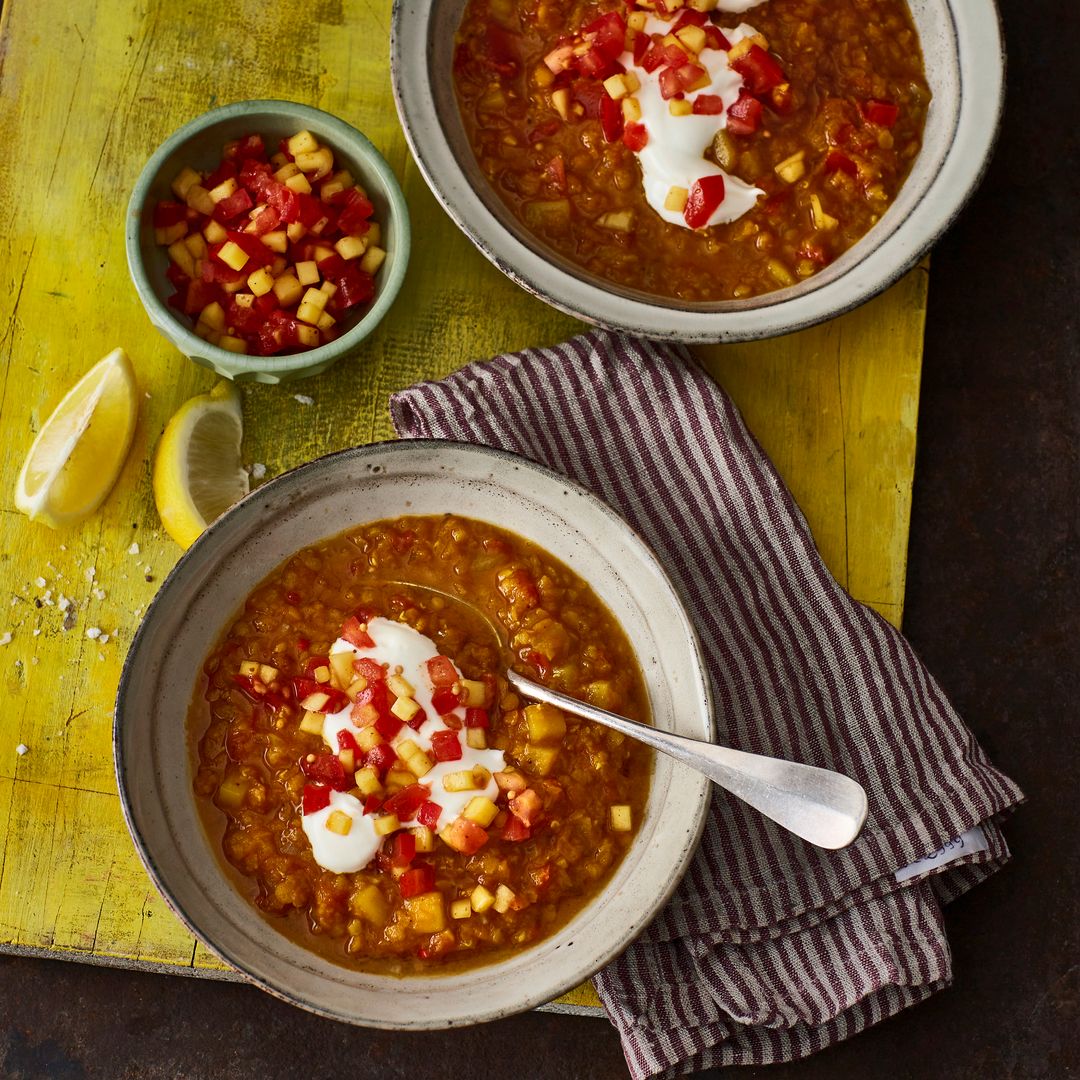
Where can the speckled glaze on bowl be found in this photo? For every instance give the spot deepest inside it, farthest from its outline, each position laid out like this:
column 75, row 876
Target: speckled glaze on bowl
column 199, row 144
column 319, row 500
column 965, row 66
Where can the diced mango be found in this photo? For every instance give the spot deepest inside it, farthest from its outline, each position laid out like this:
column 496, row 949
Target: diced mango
column 341, row 665
column 385, row 824
column 399, row 686
column 233, row 256
column 426, row 913
column 367, row 781
column 461, row 909
column 474, row 692
column 370, row 904
column 307, row 273
column 540, row 759
column 476, row 738
column 621, row 818
column 481, row 899
column 288, row 290
column 303, row 142
column 312, row 723
column 480, row 810
column 339, row 822
column 260, row 282
column 504, row 897
column 350, row 247
column 183, row 182
column 425, row 839
column 546, row 723
column 231, row 792
column 226, row 188
column 420, row 764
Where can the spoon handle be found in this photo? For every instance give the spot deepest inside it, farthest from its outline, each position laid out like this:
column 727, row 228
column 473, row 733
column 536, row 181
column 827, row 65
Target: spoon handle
column 821, row 806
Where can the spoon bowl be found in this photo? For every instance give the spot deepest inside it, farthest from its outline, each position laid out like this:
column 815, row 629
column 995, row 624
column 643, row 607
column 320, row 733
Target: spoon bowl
column 823, row 807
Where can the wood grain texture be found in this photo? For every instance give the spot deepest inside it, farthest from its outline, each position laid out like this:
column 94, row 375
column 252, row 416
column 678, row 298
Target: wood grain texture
column 87, row 91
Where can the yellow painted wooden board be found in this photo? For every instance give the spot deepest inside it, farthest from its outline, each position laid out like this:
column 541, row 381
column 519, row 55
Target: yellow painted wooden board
column 88, row 89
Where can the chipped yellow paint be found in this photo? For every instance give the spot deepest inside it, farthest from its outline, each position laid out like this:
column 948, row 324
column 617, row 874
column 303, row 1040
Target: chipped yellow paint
column 87, row 91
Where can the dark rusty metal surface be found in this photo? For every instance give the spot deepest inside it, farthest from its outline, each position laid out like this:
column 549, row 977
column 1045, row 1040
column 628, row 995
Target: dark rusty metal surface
column 991, row 606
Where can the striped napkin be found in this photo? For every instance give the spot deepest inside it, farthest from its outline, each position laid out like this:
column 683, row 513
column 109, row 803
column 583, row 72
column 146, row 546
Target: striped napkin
column 770, row 949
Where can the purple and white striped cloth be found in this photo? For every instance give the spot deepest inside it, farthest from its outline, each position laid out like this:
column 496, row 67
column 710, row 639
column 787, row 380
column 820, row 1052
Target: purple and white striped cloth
column 770, row 949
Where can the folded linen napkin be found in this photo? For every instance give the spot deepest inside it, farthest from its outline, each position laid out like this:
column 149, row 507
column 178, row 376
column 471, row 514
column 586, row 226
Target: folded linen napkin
column 770, row 949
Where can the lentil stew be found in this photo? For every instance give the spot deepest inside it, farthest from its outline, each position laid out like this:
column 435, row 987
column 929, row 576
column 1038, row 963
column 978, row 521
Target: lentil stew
column 371, row 780
column 583, row 116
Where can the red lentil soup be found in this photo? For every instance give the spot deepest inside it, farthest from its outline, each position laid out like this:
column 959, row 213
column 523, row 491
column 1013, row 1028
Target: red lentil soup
column 368, row 775
column 806, row 121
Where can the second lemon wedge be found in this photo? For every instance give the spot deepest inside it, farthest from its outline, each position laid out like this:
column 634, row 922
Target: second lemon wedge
column 197, row 470
column 81, row 448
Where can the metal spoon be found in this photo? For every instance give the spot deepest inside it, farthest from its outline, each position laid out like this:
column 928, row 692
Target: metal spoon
column 824, row 807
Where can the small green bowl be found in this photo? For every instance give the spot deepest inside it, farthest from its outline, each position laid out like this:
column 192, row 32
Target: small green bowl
column 199, row 144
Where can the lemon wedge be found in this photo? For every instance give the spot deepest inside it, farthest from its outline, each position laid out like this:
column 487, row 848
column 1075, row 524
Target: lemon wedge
column 80, row 450
column 197, row 470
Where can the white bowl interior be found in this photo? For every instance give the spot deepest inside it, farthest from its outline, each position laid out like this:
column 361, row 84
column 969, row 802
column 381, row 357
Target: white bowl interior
column 318, row 501
column 962, row 53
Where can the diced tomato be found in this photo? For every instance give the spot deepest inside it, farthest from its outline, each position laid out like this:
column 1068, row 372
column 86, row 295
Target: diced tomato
column 445, row 700
column 835, row 161
column 369, row 669
column 267, row 221
column 759, row 70
column 250, row 146
column 355, row 633
column 884, row 113
column 516, row 830
column 314, row 662
column 588, row 95
column 653, row 58
column 690, row 17
column 417, row 720
column 167, row 214
column 744, row 114
column 669, row 83
column 690, row 75
column 642, row 43
column 608, row 34
column 594, row 64
column 705, row 196
column 446, row 746
column 316, row 797
column 355, row 214
column 555, row 171
column 388, row 725
column 354, row 287
column 526, row 807
column 347, row 741
column 285, row 201
column 380, row 758
column 477, row 717
column 714, row 39
column 708, row 105
column 465, row 836
column 611, row 119
column 428, row 814
column 420, row 879
column 402, row 849
column 200, row 293
column 539, row 661
column 225, row 171
column 407, row 801
column 501, row 50
column 325, row 769
column 255, row 177
column 247, row 686
column 441, row 671
column 239, row 202
column 372, row 804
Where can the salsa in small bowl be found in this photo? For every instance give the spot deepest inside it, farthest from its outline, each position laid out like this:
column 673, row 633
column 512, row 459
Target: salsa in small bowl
column 267, row 239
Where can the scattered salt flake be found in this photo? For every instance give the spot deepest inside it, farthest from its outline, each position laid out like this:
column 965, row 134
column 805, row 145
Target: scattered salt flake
column 303, row 399
column 147, row 568
column 104, row 639
column 258, row 471
column 63, row 603
column 5, row 638
column 46, row 597
column 101, row 656
column 63, row 547
column 91, row 571
column 40, row 582
column 33, row 660
column 37, row 630
column 21, row 749
column 134, row 549
column 93, row 632
column 98, row 594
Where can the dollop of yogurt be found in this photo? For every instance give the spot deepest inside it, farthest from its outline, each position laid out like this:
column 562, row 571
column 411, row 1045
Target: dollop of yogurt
column 674, row 156
column 399, row 646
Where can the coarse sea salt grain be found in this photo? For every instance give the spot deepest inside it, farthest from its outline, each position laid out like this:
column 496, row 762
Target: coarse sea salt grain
column 258, row 471
column 98, row 594
column 134, row 549
column 21, row 749
column 63, row 603
column 40, row 582
column 303, row 399
column 91, row 571
column 93, row 632
column 5, row 638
